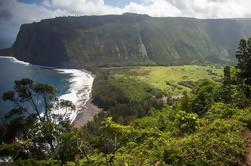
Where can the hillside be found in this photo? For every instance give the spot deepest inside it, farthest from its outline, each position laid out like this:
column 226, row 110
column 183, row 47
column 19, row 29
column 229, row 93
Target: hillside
column 129, row 39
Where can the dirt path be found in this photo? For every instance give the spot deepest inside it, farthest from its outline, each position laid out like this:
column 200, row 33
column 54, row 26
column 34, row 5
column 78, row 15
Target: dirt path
column 248, row 148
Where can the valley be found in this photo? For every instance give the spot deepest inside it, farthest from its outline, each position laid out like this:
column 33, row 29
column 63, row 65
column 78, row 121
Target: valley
column 161, row 91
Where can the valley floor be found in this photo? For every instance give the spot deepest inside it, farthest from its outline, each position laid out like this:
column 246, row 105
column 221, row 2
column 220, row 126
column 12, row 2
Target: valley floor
column 137, row 81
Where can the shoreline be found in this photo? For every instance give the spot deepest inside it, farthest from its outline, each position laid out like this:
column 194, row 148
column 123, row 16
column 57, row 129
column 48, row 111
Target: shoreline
column 79, row 93
column 86, row 114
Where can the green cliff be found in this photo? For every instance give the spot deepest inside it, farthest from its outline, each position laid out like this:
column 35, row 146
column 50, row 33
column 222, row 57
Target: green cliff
column 129, row 39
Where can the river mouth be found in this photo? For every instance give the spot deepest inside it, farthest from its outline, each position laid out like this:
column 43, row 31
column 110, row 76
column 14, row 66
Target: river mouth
column 72, row 84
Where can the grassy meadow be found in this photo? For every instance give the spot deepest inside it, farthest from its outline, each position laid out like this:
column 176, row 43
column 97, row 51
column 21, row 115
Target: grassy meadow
column 138, row 82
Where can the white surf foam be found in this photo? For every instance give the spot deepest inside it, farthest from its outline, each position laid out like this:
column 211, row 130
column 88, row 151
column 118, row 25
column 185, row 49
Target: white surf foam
column 80, row 89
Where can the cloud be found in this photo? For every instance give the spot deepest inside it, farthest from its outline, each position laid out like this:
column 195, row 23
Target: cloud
column 14, row 13
column 157, row 8
column 160, row 8
column 213, row 8
column 83, row 7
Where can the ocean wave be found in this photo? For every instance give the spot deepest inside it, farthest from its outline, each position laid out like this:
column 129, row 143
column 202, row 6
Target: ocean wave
column 15, row 60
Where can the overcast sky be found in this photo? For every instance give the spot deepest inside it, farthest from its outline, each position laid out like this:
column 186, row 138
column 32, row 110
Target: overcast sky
column 13, row 13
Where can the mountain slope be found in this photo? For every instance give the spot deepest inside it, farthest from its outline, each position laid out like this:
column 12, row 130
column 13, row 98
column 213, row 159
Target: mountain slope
column 129, row 39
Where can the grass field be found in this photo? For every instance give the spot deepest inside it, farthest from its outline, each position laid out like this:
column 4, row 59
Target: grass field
column 173, row 80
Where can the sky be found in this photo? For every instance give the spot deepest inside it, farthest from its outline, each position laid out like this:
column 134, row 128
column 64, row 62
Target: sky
column 14, row 13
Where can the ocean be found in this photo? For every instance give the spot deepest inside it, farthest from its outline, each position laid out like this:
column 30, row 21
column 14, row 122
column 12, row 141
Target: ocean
column 72, row 84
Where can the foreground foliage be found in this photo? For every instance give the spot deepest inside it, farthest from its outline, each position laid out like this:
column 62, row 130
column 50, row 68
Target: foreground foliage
column 33, row 128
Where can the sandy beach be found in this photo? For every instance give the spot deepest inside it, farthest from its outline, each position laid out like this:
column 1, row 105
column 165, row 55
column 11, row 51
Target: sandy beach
column 86, row 114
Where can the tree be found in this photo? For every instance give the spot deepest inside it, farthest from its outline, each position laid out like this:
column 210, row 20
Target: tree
column 68, row 147
column 37, row 118
column 203, row 97
column 227, row 76
column 243, row 55
column 184, row 102
column 225, row 90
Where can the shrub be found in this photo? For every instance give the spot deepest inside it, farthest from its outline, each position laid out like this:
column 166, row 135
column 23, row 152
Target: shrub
column 187, row 122
column 220, row 143
column 239, row 99
column 47, row 162
column 221, row 110
column 245, row 116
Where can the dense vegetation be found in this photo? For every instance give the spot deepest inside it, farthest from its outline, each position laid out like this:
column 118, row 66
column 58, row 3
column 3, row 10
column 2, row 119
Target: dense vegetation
column 129, row 39
column 142, row 123
column 182, row 132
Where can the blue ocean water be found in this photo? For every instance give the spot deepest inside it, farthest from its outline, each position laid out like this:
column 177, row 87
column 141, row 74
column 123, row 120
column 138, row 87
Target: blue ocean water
column 11, row 70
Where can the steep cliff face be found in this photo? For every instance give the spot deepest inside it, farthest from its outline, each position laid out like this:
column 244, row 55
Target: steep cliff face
column 39, row 44
column 129, row 39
